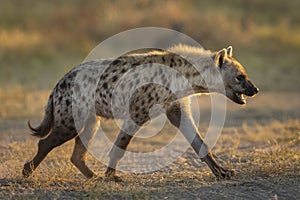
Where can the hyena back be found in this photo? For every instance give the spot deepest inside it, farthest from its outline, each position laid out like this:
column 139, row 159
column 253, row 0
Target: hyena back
column 153, row 86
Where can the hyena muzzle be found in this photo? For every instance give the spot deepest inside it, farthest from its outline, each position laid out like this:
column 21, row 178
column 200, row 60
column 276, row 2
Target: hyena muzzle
column 58, row 124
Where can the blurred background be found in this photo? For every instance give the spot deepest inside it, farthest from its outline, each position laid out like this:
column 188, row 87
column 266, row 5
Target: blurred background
column 41, row 40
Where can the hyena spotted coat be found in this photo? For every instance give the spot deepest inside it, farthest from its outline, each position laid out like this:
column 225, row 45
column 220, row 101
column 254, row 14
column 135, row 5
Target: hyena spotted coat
column 63, row 110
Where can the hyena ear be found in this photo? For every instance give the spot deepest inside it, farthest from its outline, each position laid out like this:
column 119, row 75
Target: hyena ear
column 220, row 57
column 229, row 50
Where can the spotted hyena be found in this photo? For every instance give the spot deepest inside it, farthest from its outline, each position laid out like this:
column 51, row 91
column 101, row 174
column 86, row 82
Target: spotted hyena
column 89, row 96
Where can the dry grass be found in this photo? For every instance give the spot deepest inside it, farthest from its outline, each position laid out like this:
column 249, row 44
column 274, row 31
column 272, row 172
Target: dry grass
column 259, row 160
column 265, row 156
column 19, row 103
column 16, row 39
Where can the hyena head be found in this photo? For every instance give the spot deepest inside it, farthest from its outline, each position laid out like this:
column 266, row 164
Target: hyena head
column 235, row 78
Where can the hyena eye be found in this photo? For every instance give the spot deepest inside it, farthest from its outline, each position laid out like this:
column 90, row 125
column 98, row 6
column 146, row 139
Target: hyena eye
column 240, row 78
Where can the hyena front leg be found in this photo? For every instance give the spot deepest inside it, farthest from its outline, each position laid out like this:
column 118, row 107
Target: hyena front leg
column 81, row 144
column 129, row 128
column 182, row 119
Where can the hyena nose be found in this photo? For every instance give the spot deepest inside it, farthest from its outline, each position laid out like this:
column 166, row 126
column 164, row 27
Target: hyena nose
column 255, row 90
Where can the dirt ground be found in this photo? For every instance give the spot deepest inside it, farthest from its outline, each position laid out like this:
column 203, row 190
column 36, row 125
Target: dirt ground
column 260, row 141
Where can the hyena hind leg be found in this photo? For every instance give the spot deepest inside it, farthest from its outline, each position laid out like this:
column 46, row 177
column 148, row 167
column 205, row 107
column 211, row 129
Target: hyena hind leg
column 81, row 144
column 129, row 128
column 45, row 145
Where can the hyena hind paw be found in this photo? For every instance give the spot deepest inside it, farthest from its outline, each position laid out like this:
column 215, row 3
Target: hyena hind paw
column 27, row 170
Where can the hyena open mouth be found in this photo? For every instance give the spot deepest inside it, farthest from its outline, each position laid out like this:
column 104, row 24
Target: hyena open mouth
column 240, row 97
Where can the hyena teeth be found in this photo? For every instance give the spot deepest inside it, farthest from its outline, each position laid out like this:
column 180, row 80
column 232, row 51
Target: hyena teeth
column 240, row 95
column 243, row 97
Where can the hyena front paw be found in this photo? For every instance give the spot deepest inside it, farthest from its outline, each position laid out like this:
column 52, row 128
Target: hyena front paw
column 224, row 173
column 216, row 169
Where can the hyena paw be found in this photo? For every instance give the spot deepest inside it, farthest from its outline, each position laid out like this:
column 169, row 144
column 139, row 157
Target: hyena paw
column 110, row 175
column 27, row 170
column 222, row 173
column 114, row 178
column 117, row 179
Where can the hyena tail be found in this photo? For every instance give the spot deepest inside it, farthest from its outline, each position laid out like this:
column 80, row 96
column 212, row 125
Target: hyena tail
column 44, row 128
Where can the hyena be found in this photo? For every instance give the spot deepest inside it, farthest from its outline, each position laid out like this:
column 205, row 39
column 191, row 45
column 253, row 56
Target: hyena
column 58, row 124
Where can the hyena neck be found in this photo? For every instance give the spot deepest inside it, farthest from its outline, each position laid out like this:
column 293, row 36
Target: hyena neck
column 199, row 68
column 195, row 65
